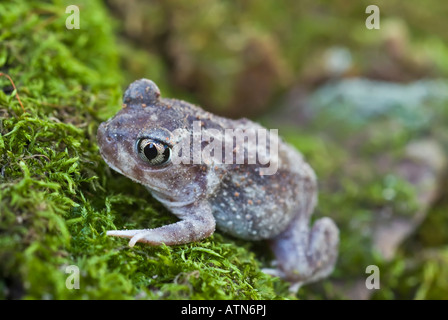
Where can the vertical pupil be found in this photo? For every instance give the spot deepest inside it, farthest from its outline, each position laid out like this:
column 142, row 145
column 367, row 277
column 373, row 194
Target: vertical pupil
column 166, row 153
column 150, row 151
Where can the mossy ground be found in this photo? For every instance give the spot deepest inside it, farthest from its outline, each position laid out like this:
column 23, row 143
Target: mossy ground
column 57, row 196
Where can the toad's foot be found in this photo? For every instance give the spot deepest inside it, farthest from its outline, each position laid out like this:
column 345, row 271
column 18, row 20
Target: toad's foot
column 303, row 256
column 194, row 228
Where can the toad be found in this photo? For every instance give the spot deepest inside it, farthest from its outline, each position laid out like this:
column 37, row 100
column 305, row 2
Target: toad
column 183, row 156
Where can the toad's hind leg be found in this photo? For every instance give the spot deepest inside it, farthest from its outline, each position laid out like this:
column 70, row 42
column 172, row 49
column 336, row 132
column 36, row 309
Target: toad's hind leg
column 304, row 255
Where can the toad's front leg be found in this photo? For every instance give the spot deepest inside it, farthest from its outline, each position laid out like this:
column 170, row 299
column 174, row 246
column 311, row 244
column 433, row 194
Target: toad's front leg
column 197, row 222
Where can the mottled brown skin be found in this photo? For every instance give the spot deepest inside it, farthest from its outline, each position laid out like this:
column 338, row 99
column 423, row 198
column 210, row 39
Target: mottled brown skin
column 235, row 198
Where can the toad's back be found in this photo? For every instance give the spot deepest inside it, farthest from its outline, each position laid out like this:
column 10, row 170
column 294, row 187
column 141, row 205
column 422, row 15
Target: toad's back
column 253, row 206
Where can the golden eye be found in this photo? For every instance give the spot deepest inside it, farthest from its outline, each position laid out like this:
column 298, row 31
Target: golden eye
column 154, row 152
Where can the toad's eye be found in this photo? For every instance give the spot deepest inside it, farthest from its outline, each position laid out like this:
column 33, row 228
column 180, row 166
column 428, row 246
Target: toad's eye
column 154, row 152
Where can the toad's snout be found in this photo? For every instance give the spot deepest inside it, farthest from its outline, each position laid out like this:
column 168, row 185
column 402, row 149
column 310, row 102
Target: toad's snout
column 105, row 136
column 101, row 133
column 108, row 140
column 111, row 132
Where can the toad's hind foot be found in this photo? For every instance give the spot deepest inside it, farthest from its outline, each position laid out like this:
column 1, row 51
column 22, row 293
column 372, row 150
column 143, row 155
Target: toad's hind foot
column 304, row 256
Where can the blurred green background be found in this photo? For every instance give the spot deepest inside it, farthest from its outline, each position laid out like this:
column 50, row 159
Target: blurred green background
column 240, row 56
column 367, row 108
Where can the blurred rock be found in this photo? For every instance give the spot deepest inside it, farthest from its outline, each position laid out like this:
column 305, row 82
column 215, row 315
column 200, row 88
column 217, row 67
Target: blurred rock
column 397, row 59
column 423, row 165
column 255, row 83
